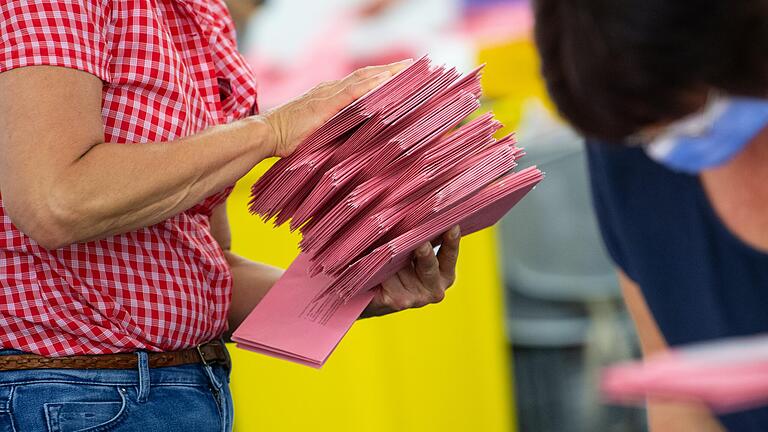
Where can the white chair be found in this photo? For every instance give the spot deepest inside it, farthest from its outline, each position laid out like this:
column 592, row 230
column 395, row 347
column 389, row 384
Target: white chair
column 564, row 315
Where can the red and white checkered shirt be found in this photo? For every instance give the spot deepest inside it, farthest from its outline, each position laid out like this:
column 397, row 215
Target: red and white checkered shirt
column 170, row 68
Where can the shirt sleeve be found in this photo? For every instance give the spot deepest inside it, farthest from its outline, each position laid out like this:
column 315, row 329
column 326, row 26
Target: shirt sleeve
column 66, row 33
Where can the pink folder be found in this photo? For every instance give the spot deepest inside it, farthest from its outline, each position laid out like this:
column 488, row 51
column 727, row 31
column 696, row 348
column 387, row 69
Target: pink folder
column 726, row 375
column 391, row 171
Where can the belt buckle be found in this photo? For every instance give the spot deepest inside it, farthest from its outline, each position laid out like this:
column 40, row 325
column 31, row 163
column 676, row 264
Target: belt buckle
column 202, row 356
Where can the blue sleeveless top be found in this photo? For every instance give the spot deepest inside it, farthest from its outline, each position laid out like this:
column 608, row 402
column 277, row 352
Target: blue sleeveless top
column 700, row 281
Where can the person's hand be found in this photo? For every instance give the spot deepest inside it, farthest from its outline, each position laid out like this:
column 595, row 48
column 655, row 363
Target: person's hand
column 290, row 123
column 420, row 283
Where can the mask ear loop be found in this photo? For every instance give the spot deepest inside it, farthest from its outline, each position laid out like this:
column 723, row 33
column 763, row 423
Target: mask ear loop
column 702, row 121
column 696, row 124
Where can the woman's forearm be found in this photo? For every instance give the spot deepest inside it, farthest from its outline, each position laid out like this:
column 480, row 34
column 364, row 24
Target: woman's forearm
column 62, row 183
column 250, row 283
column 663, row 416
column 139, row 185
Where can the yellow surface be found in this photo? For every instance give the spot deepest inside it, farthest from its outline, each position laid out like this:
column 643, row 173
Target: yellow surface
column 442, row 368
column 511, row 77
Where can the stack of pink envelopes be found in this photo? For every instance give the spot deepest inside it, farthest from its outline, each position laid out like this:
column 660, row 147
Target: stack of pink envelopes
column 391, row 171
column 725, row 375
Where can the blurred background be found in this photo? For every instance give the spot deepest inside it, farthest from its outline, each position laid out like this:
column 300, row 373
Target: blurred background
column 536, row 310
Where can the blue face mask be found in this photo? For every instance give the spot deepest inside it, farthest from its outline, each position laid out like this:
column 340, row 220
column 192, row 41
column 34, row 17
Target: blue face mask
column 710, row 137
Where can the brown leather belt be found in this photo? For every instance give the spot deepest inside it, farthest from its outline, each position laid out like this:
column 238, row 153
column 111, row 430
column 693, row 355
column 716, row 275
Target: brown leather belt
column 213, row 352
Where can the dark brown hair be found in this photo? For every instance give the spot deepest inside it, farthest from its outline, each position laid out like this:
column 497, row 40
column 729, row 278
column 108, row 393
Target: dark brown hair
column 615, row 66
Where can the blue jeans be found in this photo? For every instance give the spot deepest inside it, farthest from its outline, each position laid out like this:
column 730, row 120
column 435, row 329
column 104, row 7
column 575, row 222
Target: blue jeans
column 189, row 398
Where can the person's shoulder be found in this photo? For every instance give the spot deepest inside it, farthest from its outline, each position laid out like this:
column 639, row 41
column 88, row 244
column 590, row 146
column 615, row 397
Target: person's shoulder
column 738, row 193
column 47, row 6
column 65, row 33
column 38, row 18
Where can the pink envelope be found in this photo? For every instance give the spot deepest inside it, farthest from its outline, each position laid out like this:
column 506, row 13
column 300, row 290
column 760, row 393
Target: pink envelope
column 726, row 375
column 280, row 326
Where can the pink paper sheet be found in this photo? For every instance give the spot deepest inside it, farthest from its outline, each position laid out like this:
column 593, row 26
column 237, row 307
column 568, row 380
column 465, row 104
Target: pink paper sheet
column 727, row 375
column 280, row 326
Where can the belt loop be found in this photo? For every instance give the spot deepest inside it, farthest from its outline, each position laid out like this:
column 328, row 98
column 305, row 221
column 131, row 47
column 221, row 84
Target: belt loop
column 216, row 385
column 228, row 364
column 143, row 376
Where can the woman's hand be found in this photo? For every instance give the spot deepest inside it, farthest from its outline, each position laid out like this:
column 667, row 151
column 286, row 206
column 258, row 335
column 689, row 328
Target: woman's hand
column 292, row 122
column 421, row 283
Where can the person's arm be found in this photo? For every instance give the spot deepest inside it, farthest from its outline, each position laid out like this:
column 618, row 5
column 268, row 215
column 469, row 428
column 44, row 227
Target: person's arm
column 662, row 416
column 62, row 184
column 738, row 194
column 250, row 280
column 417, row 285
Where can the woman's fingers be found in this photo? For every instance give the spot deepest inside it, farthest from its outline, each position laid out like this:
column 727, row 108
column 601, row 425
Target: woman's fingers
column 292, row 122
column 421, row 293
column 404, row 290
column 449, row 254
column 427, row 268
column 422, row 283
column 394, row 294
column 331, row 88
column 371, row 71
column 353, row 91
